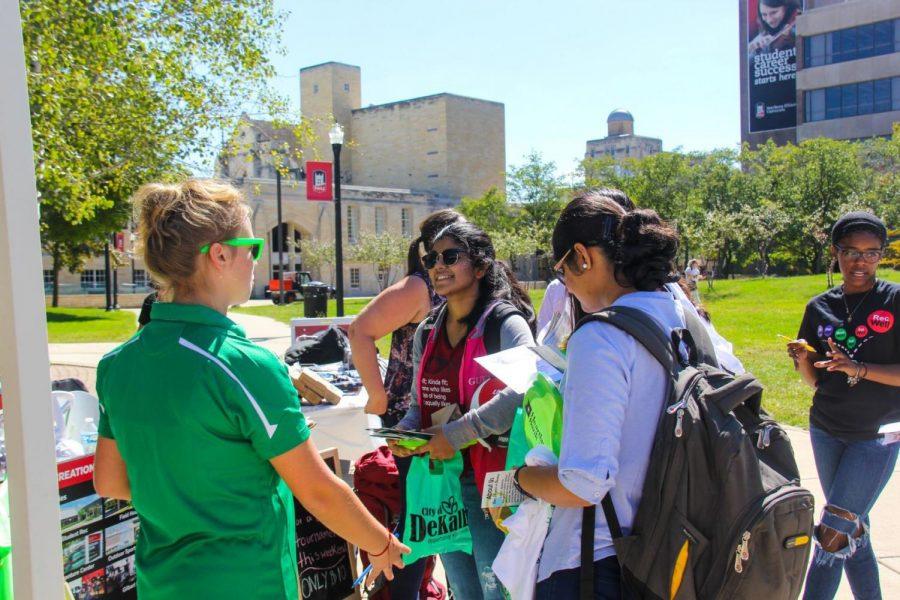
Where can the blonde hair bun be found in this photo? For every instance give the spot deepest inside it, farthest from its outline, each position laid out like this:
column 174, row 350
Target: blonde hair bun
column 176, row 219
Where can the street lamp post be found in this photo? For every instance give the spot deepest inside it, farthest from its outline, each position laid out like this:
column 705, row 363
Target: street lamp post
column 280, row 233
column 336, row 135
column 108, row 274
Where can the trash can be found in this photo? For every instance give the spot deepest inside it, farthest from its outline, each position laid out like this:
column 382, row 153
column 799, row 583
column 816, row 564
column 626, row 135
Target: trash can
column 315, row 299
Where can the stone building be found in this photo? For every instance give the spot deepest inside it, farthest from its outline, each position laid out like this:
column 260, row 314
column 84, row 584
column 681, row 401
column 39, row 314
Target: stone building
column 444, row 145
column 621, row 142
column 400, row 162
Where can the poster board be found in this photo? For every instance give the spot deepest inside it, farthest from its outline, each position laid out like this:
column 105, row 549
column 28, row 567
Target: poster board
column 98, row 536
column 772, row 65
column 326, row 564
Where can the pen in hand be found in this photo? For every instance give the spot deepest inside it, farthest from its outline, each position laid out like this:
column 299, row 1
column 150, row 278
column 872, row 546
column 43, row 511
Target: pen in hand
column 368, row 569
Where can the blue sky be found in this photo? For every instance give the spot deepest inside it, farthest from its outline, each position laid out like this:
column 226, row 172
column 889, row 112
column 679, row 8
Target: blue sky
column 559, row 68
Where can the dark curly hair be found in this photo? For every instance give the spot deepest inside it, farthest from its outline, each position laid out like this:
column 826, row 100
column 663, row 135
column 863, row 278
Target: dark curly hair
column 498, row 283
column 641, row 247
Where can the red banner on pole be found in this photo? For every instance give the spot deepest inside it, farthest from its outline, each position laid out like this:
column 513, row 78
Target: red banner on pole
column 120, row 241
column 319, row 178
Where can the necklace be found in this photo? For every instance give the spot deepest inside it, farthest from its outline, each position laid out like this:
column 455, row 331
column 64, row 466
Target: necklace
column 858, row 304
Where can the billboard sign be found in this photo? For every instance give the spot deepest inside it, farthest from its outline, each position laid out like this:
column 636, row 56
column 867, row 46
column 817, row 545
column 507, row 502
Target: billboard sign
column 772, row 63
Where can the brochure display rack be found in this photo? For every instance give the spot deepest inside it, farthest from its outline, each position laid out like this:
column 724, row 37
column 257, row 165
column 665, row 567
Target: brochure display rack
column 98, row 536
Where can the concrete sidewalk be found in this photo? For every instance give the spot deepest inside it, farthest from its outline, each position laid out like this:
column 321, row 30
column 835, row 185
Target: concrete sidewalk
column 80, row 360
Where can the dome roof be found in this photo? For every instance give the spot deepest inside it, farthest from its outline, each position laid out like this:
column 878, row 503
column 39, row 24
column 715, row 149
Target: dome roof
column 620, row 114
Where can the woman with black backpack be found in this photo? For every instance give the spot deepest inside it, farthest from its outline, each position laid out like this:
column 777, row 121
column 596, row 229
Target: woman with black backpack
column 613, row 389
column 848, row 351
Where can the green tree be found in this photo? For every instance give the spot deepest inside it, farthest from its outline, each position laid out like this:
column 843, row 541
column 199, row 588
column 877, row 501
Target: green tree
column 510, row 244
column 822, row 178
column 605, row 172
column 762, row 225
column 880, row 159
column 540, row 192
column 386, row 252
column 665, row 182
column 317, row 254
column 125, row 92
column 491, row 212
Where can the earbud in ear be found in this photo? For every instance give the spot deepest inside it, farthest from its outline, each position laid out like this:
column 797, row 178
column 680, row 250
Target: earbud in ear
column 584, row 265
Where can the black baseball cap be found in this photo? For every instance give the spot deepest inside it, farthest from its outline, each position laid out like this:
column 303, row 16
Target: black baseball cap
column 858, row 221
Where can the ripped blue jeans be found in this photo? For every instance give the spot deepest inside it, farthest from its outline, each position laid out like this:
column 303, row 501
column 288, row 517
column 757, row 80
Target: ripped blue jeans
column 852, row 475
column 470, row 575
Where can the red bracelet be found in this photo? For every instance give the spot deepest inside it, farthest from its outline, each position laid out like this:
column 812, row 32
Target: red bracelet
column 385, row 548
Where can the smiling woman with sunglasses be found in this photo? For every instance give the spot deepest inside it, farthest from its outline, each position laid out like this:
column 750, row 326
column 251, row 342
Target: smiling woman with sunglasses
column 854, row 369
column 202, row 429
column 397, row 311
column 486, row 311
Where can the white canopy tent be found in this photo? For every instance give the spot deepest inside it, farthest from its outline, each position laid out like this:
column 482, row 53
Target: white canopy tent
column 24, row 360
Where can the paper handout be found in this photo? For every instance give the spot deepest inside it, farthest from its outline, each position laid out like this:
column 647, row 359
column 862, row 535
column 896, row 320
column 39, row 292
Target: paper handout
column 518, row 367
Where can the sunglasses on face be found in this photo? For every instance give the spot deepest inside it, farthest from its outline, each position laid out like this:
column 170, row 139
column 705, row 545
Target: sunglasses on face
column 449, row 257
column 256, row 245
column 869, row 256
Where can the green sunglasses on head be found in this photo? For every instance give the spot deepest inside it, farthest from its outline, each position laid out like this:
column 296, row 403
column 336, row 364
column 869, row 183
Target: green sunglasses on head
column 257, row 244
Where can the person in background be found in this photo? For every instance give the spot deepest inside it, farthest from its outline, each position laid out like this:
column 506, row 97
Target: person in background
column 776, row 26
column 613, row 389
column 692, row 277
column 555, row 298
column 201, row 429
column 854, row 368
column 398, row 309
column 483, row 299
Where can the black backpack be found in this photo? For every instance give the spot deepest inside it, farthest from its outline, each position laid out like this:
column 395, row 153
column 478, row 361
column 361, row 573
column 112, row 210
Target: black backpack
column 722, row 514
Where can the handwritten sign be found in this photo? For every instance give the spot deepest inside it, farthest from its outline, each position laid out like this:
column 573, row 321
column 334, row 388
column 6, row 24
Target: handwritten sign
column 325, row 562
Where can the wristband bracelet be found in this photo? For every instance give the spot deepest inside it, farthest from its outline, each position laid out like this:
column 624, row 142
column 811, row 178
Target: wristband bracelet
column 519, row 485
column 385, row 548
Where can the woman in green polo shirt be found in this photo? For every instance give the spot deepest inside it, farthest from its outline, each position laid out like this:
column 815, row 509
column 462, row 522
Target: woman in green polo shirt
column 201, row 429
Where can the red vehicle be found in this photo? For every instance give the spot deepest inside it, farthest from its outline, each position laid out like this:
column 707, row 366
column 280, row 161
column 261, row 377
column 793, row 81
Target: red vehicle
column 289, row 288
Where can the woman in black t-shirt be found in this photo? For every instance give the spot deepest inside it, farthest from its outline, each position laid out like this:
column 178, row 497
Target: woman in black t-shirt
column 854, row 366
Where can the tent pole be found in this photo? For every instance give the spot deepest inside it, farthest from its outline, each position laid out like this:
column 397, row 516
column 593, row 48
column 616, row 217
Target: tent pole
column 24, row 359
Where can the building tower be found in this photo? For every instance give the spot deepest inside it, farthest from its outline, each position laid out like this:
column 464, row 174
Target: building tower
column 620, row 141
column 330, row 91
column 619, row 122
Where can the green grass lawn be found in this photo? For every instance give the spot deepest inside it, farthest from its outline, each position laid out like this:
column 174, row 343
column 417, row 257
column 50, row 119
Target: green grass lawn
column 68, row 325
column 750, row 313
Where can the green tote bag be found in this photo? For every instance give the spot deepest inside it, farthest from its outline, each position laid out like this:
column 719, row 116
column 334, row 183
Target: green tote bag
column 436, row 521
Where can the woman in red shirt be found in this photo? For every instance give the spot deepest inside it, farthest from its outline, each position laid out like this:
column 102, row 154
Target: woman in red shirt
column 487, row 310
